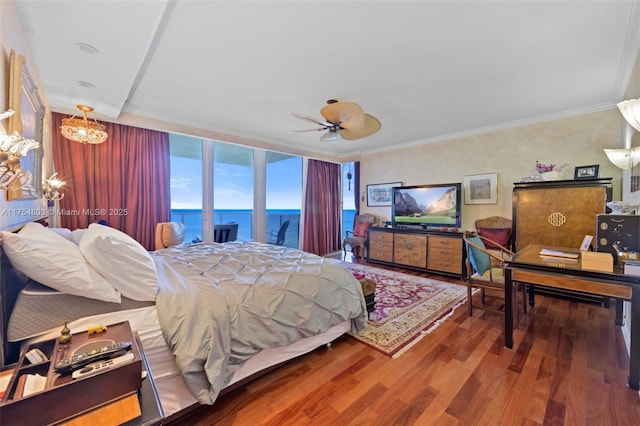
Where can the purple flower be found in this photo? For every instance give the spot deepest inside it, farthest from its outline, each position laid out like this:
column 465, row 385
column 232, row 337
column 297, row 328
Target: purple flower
column 544, row 168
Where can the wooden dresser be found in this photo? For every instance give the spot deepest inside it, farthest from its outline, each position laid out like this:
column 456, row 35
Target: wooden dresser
column 425, row 250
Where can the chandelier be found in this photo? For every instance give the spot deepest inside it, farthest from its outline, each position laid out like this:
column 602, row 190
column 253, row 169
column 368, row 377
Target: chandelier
column 83, row 130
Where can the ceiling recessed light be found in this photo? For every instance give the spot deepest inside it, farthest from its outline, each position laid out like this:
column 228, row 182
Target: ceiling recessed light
column 85, row 84
column 86, row 48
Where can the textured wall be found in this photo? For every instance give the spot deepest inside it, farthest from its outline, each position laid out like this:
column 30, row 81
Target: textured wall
column 511, row 153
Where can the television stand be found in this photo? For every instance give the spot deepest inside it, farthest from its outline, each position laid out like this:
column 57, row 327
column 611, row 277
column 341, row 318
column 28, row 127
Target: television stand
column 426, row 250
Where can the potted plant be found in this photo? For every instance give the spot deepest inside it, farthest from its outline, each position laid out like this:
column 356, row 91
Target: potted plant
column 549, row 171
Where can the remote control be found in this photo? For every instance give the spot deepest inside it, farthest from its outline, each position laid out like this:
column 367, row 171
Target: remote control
column 97, row 367
column 77, row 361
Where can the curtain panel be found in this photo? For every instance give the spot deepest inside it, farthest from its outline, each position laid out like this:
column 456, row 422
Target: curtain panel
column 321, row 233
column 124, row 181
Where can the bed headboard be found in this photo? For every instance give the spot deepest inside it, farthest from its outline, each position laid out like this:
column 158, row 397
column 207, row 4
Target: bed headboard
column 11, row 283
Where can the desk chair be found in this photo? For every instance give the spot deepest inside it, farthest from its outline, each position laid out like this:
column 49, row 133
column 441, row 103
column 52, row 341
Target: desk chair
column 485, row 270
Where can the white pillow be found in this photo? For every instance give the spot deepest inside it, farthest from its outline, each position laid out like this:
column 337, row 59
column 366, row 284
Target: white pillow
column 121, row 260
column 56, row 262
column 76, row 235
column 73, row 236
column 63, row 232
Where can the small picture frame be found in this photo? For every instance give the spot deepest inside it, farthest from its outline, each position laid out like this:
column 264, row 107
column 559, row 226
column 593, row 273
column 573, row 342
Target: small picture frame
column 586, row 243
column 586, row 172
column 481, row 189
column 380, row 194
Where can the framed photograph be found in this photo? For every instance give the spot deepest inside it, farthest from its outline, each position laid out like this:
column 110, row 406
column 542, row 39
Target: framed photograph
column 380, row 194
column 586, row 243
column 586, row 172
column 481, row 189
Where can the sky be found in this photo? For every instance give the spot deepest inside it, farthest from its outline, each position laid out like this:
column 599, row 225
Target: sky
column 233, row 185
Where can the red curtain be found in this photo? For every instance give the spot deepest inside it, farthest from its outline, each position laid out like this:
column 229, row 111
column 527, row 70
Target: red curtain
column 322, row 208
column 124, row 181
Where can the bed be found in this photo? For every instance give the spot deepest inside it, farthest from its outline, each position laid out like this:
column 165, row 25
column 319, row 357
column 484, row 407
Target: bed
column 210, row 316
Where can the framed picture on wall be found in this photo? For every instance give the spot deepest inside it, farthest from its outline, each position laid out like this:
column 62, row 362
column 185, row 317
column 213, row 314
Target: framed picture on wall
column 380, row 194
column 481, row 189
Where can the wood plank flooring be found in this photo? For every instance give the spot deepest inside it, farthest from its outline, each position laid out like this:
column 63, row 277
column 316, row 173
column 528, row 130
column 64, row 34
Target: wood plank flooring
column 569, row 366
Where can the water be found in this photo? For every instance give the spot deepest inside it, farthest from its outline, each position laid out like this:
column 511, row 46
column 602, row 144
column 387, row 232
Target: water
column 192, row 219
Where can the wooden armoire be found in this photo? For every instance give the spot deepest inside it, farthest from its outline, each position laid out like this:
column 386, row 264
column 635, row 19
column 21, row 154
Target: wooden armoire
column 558, row 213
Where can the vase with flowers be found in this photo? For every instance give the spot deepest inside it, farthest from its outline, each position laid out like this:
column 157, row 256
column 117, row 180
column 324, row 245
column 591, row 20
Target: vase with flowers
column 549, row 171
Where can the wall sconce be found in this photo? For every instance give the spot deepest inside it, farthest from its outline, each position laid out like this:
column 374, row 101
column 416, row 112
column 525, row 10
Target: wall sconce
column 624, row 158
column 12, row 147
column 630, row 110
column 51, row 189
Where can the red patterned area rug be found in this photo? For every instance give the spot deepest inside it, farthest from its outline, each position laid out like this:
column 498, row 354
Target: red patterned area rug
column 407, row 308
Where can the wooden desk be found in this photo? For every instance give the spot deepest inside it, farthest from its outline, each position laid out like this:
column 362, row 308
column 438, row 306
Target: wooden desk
column 528, row 266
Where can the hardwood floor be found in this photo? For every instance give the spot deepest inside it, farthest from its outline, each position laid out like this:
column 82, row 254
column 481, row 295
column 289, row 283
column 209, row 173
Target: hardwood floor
column 569, row 366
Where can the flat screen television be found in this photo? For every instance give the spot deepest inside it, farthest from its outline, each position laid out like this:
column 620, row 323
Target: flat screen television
column 427, row 206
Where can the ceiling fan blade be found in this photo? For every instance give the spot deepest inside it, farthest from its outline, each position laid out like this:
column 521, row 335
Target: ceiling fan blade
column 371, row 125
column 319, row 129
column 311, row 119
column 330, row 136
column 348, row 114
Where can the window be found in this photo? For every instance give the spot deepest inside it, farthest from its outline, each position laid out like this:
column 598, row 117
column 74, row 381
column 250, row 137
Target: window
column 186, row 184
column 227, row 184
column 233, row 187
column 283, row 196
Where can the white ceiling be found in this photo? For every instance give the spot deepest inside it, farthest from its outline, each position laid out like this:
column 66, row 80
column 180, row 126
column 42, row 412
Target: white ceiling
column 428, row 70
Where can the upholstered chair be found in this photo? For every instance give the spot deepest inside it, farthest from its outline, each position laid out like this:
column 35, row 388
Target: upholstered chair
column 169, row 234
column 357, row 239
column 496, row 230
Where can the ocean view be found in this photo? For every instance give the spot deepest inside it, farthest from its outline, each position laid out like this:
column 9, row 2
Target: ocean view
column 192, row 219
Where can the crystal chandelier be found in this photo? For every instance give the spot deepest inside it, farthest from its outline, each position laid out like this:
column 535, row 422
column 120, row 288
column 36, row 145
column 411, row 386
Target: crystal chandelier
column 83, row 130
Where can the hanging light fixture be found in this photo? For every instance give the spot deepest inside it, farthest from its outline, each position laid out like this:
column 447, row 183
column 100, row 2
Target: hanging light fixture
column 83, row 130
column 349, row 176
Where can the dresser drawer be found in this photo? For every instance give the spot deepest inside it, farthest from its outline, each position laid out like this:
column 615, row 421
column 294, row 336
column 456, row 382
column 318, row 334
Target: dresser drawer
column 445, row 265
column 445, row 243
column 445, row 254
column 381, row 246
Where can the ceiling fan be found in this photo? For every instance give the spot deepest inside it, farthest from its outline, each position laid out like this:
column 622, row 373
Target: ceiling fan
column 344, row 120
